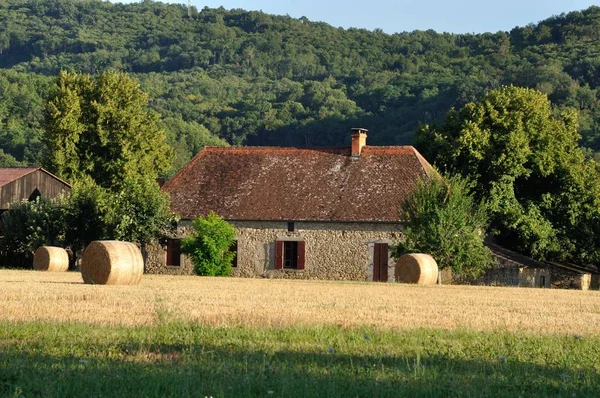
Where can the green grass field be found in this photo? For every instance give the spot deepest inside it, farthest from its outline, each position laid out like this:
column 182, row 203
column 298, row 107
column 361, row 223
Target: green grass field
column 191, row 336
column 169, row 359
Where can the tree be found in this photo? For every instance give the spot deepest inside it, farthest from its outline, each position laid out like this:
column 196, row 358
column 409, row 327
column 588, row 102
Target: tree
column 209, row 245
column 29, row 225
column 443, row 219
column 139, row 212
column 87, row 214
column 101, row 127
column 102, row 138
column 525, row 160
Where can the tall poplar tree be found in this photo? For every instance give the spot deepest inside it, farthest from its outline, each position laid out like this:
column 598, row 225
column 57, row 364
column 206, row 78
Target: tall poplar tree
column 102, row 138
column 101, row 127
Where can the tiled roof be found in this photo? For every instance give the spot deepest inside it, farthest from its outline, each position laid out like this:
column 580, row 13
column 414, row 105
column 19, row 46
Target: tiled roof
column 9, row 174
column 267, row 183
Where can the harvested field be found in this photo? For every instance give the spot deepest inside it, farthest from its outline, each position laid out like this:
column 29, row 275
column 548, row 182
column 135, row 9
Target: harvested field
column 30, row 296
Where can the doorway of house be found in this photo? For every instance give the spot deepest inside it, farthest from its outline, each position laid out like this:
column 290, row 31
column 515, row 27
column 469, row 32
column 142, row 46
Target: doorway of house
column 380, row 262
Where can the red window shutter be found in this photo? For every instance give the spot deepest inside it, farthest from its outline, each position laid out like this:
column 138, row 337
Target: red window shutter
column 278, row 254
column 301, row 256
column 376, row 262
column 383, row 258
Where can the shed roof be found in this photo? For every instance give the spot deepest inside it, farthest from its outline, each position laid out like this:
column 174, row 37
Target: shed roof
column 10, row 174
column 273, row 183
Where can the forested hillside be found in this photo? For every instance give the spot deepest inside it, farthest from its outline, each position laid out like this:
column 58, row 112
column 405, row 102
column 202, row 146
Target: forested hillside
column 253, row 78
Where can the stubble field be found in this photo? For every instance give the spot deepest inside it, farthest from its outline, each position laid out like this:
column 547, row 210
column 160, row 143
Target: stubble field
column 192, row 336
column 62, row 297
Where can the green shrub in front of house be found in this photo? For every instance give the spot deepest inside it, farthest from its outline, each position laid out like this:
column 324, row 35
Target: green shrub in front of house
column 209, row 244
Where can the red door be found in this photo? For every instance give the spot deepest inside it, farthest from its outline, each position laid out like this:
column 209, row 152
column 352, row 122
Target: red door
column 380, row 262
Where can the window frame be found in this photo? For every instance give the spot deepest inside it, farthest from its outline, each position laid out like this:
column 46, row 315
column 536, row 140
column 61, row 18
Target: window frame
column 299, row 260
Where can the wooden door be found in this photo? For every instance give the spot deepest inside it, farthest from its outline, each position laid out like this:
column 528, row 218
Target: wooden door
column 380, row 262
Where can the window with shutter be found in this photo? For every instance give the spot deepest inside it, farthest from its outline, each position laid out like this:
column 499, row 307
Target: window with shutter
column 290, row 254
column 301, row 255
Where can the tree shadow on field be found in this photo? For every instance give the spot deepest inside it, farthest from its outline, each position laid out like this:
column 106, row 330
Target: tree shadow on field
column 205, row 370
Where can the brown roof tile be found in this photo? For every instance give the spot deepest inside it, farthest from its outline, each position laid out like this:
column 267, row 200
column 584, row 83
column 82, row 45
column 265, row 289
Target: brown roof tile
column 9, row 174
column 267, row 183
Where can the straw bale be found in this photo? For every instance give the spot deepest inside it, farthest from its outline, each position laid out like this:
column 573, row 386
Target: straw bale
column 416, row 268
column 111, row 262
column 50, row 258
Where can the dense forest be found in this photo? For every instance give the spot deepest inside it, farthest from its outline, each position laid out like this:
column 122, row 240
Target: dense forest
column 239, row 77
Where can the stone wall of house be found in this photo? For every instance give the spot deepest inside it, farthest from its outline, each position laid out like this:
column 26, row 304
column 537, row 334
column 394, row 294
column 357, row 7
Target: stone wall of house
column 565, row 279
column 155, row 258
column 507, row 272
column 503, row 273
column 445, row 276
column 339, row 251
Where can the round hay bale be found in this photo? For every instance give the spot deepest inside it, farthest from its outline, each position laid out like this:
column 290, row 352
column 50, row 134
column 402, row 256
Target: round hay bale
column 50, row 258
column 112, row 262
column 416, row 268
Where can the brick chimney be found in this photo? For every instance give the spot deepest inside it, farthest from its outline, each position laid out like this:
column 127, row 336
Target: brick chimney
column 359, row 140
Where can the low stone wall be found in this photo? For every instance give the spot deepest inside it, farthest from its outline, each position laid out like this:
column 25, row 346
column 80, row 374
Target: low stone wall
column 503, row 273
column 339, row 251
column 507, row 272
column 565, row 279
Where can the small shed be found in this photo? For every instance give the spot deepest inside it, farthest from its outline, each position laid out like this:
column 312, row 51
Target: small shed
column 514, row 269
column 28, row 183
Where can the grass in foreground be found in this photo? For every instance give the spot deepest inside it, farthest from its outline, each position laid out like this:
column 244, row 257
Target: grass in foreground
column 177, row 359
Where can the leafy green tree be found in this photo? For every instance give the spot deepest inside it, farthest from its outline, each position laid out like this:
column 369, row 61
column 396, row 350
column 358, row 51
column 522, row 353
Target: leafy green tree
column 88, row 209
column 526, row 162
column 442, row 218
column 209, row 244
column 102, row 137
column 187, row 139
column 101, row 127
column 139, row 212
column 29, row 225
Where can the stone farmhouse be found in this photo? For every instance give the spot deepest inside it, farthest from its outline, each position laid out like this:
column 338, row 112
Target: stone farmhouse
column 298, row 213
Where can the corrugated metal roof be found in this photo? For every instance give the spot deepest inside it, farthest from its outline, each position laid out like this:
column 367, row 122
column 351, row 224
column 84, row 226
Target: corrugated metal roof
column 270, row 183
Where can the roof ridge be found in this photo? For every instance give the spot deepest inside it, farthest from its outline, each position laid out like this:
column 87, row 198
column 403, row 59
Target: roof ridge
column 316, row 148
column 427, row 167
column 52, row 175
column 189, row 165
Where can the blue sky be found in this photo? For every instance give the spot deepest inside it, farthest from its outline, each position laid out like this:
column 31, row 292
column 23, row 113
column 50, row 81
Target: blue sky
column 458, row 16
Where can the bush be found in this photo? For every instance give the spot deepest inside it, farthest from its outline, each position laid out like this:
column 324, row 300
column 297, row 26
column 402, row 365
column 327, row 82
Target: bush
column 209, row 245
column 441, row 218
column 29, row 225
